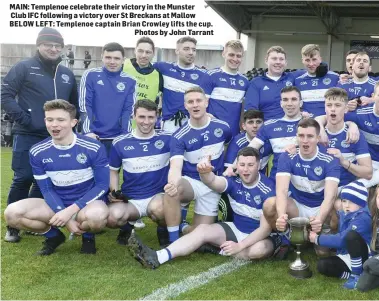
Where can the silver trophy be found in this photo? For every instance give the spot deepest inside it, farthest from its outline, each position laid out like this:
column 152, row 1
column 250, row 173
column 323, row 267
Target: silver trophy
column 299, row 236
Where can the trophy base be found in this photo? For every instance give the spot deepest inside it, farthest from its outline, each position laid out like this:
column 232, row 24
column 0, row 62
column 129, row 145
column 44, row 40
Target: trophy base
column 301, row 274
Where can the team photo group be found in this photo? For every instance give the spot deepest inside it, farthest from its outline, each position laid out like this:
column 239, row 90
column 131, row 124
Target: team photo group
column 249, row 154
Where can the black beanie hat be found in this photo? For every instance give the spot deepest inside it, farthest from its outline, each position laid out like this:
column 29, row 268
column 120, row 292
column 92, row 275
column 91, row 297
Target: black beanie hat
column 48, row 34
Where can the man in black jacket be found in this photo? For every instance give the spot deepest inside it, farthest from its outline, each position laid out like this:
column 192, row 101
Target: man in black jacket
column 25, row 89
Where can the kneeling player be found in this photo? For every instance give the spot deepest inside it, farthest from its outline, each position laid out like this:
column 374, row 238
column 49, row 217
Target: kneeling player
column 73, row 174
column 144, row 155
column 247, row 237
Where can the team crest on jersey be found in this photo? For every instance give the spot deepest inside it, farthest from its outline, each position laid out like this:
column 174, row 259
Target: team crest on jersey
column 81, row 158
column 120, row 86
column 318, row 170
column 65, row 78
column 257, row 199
column 288, row 83
column 241, row 82
column 326, row 81
column 344, row 144
column 194, row 76
column 159, row 144
column 218, row 132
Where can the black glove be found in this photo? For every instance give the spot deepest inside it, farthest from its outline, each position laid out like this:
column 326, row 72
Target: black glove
column 322, row 70
column 119, row 195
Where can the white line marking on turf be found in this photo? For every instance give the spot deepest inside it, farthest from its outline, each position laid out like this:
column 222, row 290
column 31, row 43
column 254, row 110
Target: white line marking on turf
column 175, row 289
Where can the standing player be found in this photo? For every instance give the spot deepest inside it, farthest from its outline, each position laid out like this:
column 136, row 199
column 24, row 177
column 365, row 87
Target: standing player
column 247, row 237
column 144, row 155
column 264, row 91
column 107, row 97
column 177, row 78
column 310, row 175
column 226, row 87
column 195, row 141
column 312, row 85
column 73, row 173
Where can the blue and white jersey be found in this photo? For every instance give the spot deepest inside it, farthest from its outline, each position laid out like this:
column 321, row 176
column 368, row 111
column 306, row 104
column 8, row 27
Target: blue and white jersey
column 263, row 94
column 145, row 163
column 368, row 123
column 226, row 92
column 350, row 152
column 247, row 201
column 78, row 173
column 313, row 89
column 176, row 80
column 279, row 133
column 196, row 144
column 356, row 89
column 239, row 142
column 308, row 176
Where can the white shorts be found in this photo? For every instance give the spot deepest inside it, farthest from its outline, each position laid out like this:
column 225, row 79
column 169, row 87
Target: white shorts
column 239, row 235
column 169, row 125
column 206, row 200
column 305, row 211
column 142, row 205
column 375, row 176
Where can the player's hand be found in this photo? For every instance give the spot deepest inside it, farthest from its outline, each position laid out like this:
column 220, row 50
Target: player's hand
column 93, row 136
column 335, row 152
column 291, row 149
column 353, row 134
column 324, row 139
column 312, row 236
column 229, row 172
column 230, row 248
column 281, row 222
column 316, row 224
column 74, row 227
column 204, row 167
column 62, row 217
column 366, row 100
column 344, row 78
column 305, row 115
column 171, row 189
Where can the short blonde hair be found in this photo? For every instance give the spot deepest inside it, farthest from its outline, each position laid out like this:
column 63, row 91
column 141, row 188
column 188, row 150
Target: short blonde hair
column 278, row 49
column 235, row 44
column 310, row 50
column 194, row 89
column 60, row 104
column 337, row 93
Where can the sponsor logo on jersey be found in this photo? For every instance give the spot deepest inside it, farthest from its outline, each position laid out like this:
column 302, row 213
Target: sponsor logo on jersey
column 172, row 70
column 48, row 160
column 354, row 227
column 266, row 88
column 318, row 170
column 194, row 76
column 159, row 144
column 129, row 147
column 192, row 141
column 257, row 199
column 278, row 129
column 65, row 156
column 100, row 82
column 222, row 79
column 120, row 86
column 288, row 83
column 218, row 132
column 303, row 83
column 241, row 82
column 81, row 158
column 65, row 78
column 326, row 81
column 345, row 144
column 298, row 164
column 368, row 123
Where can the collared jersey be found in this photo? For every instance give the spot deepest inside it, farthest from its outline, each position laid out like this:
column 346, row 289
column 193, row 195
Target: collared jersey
column 247, row 201
column 308, row 176
column 144, row 161
column 176, row 81
column 368, row 123
column 226, row 92
column 279, row 133
column 240, row 141
column 76, row 174
column 350, row 151
column 313, row 89
column 356, row 89
column 196, row 144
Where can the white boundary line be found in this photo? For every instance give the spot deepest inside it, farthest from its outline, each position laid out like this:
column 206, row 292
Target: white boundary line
column 175, row 289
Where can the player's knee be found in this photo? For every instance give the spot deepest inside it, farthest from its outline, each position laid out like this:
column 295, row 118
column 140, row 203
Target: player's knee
column 97, row 218
column 269, row 208
column 13, row 214
column 155, row 211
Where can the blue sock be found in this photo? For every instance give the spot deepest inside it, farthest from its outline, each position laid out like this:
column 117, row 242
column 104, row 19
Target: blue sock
column 182, row 226
column 184, row 213
column 356, row 265
column 173, row 233
column 88, row 235
column 52, row 232
column 127, row 227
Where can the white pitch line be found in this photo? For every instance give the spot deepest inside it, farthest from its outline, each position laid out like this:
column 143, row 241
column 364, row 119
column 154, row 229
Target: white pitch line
column 175, row 289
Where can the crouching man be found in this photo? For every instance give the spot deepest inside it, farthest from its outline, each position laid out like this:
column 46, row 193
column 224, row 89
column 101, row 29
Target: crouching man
column 248, row 237
column 72, row 172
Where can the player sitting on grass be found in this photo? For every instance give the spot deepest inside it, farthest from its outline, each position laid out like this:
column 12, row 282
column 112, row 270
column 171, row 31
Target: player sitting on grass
column 352, row 240
column 72, row 172
column 248, row 237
